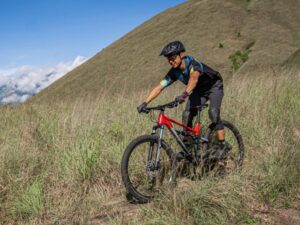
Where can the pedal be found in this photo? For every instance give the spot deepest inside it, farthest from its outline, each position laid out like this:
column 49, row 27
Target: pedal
column 182, row 155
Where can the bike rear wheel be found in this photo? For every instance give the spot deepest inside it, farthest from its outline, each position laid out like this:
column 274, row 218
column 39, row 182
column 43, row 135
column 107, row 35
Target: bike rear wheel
column 142, row 179
column 234, row 159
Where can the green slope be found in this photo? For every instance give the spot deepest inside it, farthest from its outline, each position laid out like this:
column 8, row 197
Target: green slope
column 212, row 30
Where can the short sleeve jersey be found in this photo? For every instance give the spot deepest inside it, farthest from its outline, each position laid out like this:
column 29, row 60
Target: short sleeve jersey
column 206, row 73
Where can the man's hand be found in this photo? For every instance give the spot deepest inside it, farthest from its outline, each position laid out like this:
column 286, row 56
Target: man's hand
column 181, row 98
column 142, row 107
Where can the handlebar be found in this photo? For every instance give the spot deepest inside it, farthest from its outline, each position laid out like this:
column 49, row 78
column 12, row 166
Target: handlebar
column 170, row 105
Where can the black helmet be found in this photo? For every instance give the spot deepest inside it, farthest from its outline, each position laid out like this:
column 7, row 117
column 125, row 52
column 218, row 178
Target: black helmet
column 173, row 48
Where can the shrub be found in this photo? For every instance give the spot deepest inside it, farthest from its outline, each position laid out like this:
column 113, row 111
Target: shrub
column 239, row 58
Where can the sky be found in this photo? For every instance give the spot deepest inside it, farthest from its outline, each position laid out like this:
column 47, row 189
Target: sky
column 42, row 37
column 46, row 32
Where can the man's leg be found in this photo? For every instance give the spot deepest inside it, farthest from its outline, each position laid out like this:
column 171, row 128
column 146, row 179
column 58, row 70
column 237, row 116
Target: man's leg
column 215, row 98
column 189, row 113
column 187, row 118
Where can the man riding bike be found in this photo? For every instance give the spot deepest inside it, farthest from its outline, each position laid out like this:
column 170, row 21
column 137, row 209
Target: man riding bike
column 202, row 84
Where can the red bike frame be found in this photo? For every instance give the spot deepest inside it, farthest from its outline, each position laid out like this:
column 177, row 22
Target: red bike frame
column 168, row 122
column 164, row 120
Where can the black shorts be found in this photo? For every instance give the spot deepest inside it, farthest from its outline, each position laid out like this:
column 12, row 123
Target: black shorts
column 214, row 94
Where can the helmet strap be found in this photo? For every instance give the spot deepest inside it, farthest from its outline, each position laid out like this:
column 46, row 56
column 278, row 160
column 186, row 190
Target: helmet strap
column 182, row 60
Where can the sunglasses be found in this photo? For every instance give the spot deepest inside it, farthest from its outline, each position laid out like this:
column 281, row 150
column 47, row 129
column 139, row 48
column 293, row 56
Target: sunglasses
column 172, row 58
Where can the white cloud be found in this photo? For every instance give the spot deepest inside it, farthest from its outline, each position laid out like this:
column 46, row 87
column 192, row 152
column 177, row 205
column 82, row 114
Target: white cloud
column 18, row 84
column 14, row 98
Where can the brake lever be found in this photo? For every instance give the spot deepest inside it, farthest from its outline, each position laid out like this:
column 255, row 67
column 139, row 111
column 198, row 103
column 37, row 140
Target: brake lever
column 146, row 111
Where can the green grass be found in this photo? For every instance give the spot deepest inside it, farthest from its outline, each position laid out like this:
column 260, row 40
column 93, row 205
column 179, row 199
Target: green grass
column 60, row 163
column 238, row 59
column 27, row 201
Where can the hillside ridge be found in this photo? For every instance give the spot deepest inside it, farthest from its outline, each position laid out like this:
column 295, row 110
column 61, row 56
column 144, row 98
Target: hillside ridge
column 214, row 32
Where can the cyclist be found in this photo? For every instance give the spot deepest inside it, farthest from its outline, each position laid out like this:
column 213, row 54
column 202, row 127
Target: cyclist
column 202, row 84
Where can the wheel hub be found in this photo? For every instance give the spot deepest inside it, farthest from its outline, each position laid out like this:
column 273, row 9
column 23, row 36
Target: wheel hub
column 151, row 169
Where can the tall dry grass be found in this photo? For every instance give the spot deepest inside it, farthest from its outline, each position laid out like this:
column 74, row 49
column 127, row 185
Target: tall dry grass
column 60, row 163
column 266, row 109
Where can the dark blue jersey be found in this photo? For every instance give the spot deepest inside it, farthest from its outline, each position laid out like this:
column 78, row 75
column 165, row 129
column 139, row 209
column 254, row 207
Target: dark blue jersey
column 207, row 75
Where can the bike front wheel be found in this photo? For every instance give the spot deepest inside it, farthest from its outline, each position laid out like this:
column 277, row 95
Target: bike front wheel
column 142, row 175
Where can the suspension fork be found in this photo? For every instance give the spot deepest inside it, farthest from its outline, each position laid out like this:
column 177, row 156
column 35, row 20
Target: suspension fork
column 158, row 149
column 159, row 144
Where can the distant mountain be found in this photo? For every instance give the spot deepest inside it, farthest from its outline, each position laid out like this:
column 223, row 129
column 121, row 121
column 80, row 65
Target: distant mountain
column 229, row 35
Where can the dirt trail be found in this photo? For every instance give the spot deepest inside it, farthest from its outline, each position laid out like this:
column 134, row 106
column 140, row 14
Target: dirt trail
column 287, row 216
column 279, row 217
column 119, row 209
column 124, row 211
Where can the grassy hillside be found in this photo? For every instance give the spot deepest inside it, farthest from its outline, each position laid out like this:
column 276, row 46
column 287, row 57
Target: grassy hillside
column 59, row 163
column 240, row 35
column 60, row 152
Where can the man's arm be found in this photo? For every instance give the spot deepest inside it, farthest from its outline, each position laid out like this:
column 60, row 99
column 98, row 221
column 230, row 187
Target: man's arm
column 192, row 81
column 167, row 81
column 154, row 93
column 190, row 87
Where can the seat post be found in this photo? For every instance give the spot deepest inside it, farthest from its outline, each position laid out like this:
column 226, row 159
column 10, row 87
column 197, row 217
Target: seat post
column 198, row 114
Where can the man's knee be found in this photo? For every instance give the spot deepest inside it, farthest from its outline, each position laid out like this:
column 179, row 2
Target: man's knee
column 214, row 115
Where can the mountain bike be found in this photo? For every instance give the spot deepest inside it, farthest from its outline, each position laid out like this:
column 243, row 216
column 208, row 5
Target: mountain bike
column 149, row 165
